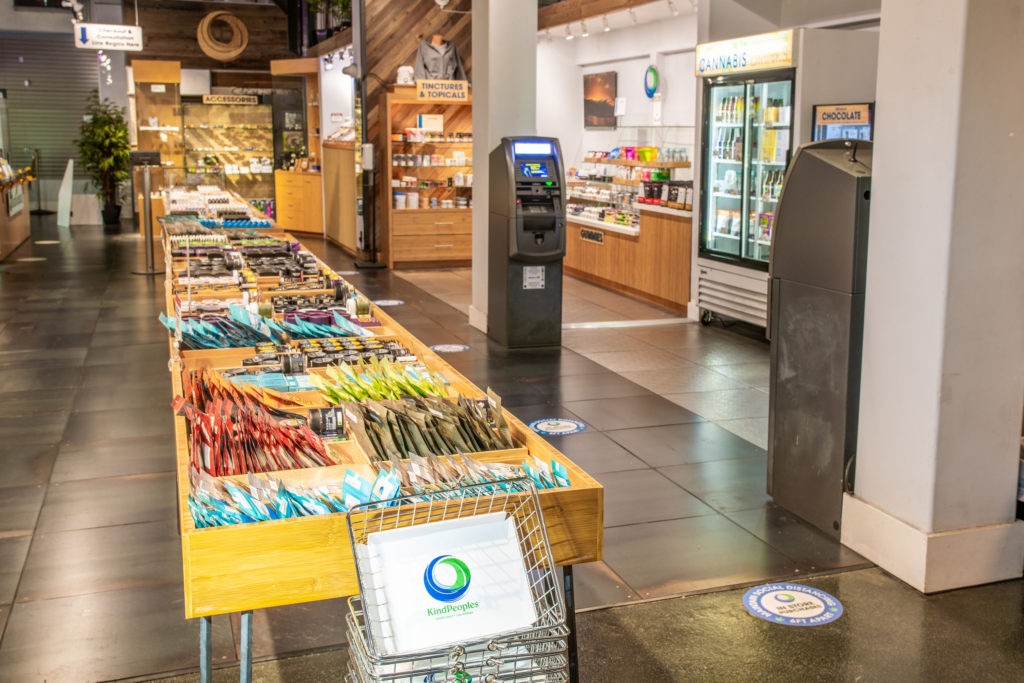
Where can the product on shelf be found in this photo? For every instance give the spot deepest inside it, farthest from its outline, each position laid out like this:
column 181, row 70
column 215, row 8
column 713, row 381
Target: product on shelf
column 377, row 380
column 233, row 430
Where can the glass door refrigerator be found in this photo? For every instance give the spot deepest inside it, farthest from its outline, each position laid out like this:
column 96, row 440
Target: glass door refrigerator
column 747, row 143
column 758, row 94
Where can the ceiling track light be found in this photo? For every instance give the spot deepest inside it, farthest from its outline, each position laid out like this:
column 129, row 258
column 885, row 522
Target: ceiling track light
column 604, row 20
column 583, row 30
column 632, row 15
column 547, row 32
column 568, row 32
column 672, row 8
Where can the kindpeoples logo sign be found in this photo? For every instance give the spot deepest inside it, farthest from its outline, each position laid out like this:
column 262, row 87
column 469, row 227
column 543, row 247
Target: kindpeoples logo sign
column 446, row 593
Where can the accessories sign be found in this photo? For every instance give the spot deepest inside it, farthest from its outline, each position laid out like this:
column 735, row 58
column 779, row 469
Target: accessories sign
column 739, row 55
column 108, row 37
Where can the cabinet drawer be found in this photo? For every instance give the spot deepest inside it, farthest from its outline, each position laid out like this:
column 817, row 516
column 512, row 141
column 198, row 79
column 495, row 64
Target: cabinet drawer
column 431, row 222
column 431, row 247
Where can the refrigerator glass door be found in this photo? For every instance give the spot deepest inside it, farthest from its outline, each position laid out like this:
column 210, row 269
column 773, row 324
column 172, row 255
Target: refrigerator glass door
column 723, row 210
column 769, row 113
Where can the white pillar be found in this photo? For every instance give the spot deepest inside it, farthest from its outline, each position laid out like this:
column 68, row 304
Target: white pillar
column 504, row 104
column 943, row 368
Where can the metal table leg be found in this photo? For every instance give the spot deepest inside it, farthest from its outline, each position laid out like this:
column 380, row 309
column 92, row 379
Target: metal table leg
column 570, row 621
column 245, row 665
column 205, row 649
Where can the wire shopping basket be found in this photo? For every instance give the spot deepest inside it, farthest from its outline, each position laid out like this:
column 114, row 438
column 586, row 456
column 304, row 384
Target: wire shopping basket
column 531, row 657
column 539, row 646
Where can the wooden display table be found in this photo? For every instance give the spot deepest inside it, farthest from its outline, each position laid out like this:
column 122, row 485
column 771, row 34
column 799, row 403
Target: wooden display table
column 243, row 567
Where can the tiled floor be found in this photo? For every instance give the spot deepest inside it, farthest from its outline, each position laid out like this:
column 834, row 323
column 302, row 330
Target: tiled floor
column 90, row 582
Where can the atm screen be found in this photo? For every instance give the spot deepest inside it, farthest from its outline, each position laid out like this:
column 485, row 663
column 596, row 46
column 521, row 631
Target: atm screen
column 533, row 169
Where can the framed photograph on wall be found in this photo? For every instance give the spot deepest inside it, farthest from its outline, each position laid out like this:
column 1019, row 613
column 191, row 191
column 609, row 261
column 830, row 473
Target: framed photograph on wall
column 599, row 92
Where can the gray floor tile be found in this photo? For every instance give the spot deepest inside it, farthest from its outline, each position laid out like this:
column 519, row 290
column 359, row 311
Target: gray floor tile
column 39, row 378
column 111, row 459
column 684, row 443
column 596, row 585
column 106, row 636
column 725, row 485
column 295, row 628
column 22, row 403
column 42, row 428
column 682, row 378
column 726, row 404
column 598, row 340
column 753, row 429
column 154, row 354
column 724, row 354
column 642, row 359
column 126, row 397
column 12, row 558
column 661, row 499
column 597, row 385
column 750, row 374
column 796, row 539
column 19, row 509
column 691, row 554
column 595, row 453
column 27, row 465
column 108, row 502
column 112, row 425
column 66, row 563
column 630, row 411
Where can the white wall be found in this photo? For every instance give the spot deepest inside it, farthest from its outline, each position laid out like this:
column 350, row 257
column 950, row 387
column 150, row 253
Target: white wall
column 561, row 64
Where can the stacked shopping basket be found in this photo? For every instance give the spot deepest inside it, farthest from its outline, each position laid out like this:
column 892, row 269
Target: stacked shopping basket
column 533, row 652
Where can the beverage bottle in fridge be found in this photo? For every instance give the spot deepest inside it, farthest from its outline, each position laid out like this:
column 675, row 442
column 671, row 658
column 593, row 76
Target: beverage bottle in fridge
column 737, row 146
column 778, row 184
column 739, row 109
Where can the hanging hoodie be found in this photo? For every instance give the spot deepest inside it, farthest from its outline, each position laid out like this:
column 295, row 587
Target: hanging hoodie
column 438, row 62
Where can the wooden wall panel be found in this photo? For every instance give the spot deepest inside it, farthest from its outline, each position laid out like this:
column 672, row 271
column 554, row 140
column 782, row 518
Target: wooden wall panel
column 169, row 32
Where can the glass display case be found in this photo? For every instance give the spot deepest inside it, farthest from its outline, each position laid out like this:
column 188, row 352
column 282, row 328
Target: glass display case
column 158, row 117
column 233, row 141
column 5, row 128
column 289, row 119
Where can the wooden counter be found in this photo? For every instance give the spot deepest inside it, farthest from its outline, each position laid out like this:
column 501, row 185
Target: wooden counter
column 299, row 197
column 653, row 265
column 14, row 217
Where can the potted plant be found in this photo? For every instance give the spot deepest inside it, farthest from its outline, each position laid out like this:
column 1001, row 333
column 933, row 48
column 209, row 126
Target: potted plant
column 103, row 149
column 331, row 16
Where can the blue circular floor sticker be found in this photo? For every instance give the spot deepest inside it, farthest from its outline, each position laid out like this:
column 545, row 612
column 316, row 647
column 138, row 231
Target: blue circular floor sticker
column 792, row 604
column 449, row 348
column 557, row 426
column 384, row 303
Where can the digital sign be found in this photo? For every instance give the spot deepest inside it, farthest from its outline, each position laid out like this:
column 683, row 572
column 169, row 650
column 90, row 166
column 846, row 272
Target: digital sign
column 533, row 169
column 532, row 148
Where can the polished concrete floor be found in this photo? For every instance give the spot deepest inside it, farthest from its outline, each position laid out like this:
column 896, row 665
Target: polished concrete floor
column 90, row 569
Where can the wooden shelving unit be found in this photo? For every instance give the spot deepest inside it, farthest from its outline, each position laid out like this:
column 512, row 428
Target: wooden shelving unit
column 418, row 237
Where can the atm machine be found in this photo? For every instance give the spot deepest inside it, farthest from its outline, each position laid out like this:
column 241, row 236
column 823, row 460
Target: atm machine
column 816, row 326
column 526, row 242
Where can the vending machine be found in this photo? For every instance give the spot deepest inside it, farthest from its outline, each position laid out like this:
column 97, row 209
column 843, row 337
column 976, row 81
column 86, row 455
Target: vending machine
column 756, row 108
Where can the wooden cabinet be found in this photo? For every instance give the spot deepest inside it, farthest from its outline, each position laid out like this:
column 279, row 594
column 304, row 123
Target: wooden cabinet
column 653, row 264
column 436, row 166
column 299, row 201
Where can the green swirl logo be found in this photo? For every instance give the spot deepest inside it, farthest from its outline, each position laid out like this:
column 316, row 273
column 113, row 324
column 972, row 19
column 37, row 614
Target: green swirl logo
column 440, row 591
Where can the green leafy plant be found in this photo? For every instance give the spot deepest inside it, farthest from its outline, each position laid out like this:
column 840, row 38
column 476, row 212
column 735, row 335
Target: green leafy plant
column 103, row 147
column 336, row 9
